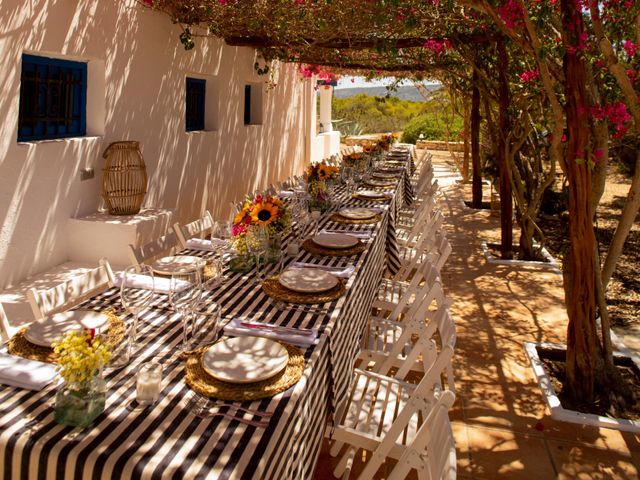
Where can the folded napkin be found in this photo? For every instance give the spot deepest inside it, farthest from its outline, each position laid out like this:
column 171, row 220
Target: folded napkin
column 360, row 235
column 234, row 328
column 342, row 272
column 22, row 373
column 206, row 245
column 159, row 284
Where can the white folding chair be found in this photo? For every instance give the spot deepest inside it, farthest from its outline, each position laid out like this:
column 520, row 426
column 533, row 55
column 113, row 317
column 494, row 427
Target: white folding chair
column 196, row 228
column 395, row 419
column 6, row 330
column 71, row 292
column 411, row 256
column 440, row 251
column 164, row 245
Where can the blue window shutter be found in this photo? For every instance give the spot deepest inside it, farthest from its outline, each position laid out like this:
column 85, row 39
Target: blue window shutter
column 195, row 98
column 53, row 98
column 247, row 104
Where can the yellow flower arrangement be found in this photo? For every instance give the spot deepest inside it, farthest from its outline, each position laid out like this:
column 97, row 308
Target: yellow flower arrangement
column 81, row 357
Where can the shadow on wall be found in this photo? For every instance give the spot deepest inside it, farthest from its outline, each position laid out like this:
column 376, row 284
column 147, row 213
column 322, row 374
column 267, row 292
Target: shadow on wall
column 145, row 69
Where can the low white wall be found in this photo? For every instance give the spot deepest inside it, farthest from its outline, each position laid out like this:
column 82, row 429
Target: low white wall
column 324, row 145
column 137, row 70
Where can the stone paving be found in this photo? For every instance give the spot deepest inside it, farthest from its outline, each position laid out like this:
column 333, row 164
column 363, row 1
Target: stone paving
column 501, row 425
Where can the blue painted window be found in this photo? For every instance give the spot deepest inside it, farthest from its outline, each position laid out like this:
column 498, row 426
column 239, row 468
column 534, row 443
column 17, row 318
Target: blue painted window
column 53, row 99
column 196, row 91
column 247, row 104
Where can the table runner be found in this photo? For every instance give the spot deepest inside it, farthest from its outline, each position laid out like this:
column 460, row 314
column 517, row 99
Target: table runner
column 166, row 440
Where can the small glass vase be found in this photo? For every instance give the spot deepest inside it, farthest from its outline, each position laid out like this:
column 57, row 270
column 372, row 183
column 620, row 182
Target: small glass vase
column 78, row 405
column 274, row 252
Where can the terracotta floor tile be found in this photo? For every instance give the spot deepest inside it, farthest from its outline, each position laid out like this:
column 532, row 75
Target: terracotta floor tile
column 504, row 454
column 579, row 461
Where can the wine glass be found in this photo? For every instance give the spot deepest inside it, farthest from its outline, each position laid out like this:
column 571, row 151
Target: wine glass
column 185, row 292
column 257, row 238
column 136, row 291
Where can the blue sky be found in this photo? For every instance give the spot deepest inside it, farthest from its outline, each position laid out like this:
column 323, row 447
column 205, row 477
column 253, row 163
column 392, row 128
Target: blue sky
column 361, row 82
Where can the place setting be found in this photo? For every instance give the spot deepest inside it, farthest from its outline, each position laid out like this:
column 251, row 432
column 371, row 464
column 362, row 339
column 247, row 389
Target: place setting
column 378, row 183
column 357, row 216
column 372, row 195
column 334, row 244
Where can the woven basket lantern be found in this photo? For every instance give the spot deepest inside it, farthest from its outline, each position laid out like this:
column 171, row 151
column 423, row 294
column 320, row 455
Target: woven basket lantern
column 124, row 178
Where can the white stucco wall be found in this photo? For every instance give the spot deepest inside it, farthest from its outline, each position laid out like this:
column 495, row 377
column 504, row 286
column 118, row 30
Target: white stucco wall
column 137, row 70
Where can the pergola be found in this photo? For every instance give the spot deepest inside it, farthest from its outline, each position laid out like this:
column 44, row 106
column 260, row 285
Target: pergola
column 472, row 41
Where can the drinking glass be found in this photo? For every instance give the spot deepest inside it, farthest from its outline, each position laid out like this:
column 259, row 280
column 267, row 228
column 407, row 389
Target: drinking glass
column 185, row 292
column 257, row 238
column 148, row 383
column 136, row 292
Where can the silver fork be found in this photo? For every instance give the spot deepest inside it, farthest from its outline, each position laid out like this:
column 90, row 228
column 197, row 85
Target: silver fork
column 201, row 408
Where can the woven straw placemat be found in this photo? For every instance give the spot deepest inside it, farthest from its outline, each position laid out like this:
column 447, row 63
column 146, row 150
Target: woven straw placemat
column 383, row 197
column 20, row 346
column 204, row 384
column 273, row 288
column 312, row 247
column 336, row 217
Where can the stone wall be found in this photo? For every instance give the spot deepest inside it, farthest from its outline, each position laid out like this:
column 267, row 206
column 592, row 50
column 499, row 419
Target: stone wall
column 438, row 145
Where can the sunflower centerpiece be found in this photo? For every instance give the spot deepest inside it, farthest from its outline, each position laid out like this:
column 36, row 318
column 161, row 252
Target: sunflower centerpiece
column 265, row 211
column 320, row 178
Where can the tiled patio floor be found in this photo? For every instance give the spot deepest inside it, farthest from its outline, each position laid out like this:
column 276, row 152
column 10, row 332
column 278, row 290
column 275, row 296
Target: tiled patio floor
column 501, row 425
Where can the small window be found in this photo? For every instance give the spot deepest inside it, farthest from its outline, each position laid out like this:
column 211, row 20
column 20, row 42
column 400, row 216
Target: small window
column 53, row 99
column 247, row 104
column 253, row 104
column 196, row 92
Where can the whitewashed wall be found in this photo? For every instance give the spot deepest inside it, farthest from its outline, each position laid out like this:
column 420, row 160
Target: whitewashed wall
column 137, row 70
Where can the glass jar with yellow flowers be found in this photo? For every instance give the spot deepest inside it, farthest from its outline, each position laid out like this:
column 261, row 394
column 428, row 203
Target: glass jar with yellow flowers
column 81, row 358
column 265, row 211
column 319, row 176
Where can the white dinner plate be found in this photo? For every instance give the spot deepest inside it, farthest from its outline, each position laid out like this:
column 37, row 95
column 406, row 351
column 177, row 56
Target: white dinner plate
column 245, row 359
column 380, row 183
column 385, row 175
column 335, row 240
column 52, row 328
column 358, row 213
column 177, row 264
column 371, row 194
column 307, row 280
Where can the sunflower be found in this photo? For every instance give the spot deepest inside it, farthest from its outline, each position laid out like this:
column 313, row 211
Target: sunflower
column 264, row 213
column 322, row 172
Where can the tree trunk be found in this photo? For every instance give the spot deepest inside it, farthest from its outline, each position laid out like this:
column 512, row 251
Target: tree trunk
column 467, row 146
column 475, row 143
column 583, row 350
column 627, row 219
column 506, row 201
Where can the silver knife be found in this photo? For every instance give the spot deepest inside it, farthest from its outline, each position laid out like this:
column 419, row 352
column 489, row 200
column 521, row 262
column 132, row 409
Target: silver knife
column 277, row 328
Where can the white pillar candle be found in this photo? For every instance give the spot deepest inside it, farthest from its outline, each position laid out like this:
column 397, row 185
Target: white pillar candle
column 149, row 384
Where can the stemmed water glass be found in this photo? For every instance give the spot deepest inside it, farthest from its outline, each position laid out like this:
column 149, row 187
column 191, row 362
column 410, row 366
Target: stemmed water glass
column 348, row 177
column 136, row 291
column 185, row 292
column 257, row 238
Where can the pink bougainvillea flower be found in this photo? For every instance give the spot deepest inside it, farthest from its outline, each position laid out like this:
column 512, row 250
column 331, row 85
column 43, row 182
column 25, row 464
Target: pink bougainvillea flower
column 630, row 47
column 529, row 76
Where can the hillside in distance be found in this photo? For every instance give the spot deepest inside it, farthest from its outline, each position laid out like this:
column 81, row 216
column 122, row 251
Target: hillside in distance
column 404, row 92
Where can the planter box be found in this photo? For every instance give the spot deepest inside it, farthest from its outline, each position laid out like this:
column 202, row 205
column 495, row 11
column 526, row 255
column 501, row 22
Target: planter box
column 550, row 262
column 558, row 412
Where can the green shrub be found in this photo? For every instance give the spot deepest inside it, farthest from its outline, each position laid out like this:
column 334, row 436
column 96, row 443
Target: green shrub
column 432, row 127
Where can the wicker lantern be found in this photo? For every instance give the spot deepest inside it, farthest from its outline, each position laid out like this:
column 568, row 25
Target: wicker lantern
column 124, row 178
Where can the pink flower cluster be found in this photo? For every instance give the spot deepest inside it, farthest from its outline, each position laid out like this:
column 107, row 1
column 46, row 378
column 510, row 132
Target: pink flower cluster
column 616, row 113
column 437, row 46
column 630, row 47
column 309, row 70
column 530, row 76
column 511, row 13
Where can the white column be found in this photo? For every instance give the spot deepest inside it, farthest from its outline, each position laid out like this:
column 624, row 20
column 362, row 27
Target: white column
column 326, row 92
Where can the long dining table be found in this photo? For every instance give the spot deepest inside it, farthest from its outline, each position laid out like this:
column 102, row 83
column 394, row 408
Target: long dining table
column 166, row 440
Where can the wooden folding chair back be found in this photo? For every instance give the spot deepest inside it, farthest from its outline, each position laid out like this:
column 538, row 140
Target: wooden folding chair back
column 197, row 228
column 164, row 245
column 71, row 292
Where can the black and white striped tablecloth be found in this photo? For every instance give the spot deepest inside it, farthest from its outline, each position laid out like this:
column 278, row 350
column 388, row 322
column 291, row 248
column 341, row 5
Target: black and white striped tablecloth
column 166, row 440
